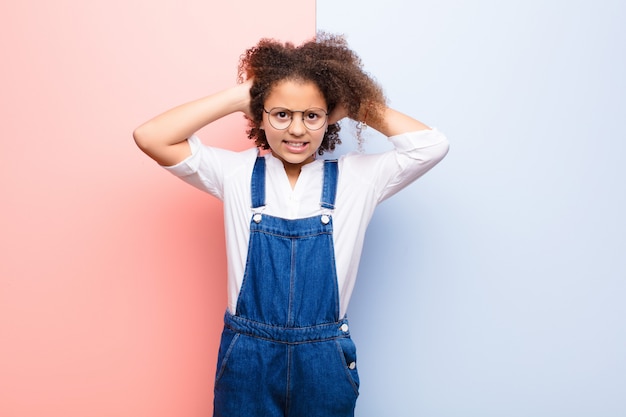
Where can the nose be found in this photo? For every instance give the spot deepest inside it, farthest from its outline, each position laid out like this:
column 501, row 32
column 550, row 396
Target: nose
column 297, row 127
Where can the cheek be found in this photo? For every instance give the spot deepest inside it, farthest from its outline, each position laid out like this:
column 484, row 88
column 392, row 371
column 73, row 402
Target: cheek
column 272, row 135
column 319, row 137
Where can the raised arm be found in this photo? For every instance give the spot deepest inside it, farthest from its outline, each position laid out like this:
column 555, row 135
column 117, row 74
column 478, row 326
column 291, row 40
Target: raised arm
column 395, row 123
column 389, row 122
column 164, row 138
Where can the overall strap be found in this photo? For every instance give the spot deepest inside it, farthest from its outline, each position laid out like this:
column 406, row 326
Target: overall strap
column 257, row 185
column 329, row 189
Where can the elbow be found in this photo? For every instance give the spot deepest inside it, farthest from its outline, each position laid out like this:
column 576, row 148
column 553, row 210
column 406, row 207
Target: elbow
column 440, row 148
column 142, row 138
column 439, row 152
column 445, row 148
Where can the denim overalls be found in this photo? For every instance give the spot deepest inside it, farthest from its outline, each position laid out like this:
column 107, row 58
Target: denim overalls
column 285, row 352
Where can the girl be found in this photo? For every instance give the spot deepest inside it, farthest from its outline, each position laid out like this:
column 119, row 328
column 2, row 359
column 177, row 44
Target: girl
column 294, row 224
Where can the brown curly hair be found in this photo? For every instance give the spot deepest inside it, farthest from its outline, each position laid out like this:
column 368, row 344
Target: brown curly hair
column 327, row 62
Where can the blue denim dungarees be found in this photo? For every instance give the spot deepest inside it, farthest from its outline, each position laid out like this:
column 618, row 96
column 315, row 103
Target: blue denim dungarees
column 285, row 352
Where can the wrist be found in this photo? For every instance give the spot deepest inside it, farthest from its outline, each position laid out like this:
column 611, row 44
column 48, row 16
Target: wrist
column 371, row 114
column 364, row 111
column 239, row 98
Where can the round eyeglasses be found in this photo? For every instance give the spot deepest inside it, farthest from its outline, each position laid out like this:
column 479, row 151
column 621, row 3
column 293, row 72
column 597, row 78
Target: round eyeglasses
column 280, row 118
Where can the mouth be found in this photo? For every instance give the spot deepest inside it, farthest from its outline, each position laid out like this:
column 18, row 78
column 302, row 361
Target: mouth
column 296, row 147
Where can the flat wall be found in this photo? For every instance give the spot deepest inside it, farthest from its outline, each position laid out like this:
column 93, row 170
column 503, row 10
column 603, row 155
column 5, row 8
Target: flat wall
column 494, row 286
column 112, row 287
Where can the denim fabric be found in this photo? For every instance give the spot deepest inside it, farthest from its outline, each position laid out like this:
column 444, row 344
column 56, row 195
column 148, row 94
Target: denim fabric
column 285, row 352
column 292, row 283
column 330, row 184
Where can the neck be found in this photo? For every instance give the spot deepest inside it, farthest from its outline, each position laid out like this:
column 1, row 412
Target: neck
column 292, row 174
column 293, row 169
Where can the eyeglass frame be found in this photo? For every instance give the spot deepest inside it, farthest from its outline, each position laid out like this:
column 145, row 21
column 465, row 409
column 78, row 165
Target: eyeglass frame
column 291, row 119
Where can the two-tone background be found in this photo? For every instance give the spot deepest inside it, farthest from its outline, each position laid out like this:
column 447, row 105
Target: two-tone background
column 494, row 286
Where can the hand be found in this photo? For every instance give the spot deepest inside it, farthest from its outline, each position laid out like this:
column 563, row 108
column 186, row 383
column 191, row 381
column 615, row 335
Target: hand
column 245, row 105
column 339, row 112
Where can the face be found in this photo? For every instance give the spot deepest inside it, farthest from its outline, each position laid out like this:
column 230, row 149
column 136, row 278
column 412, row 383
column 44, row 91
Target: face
column 296, row 145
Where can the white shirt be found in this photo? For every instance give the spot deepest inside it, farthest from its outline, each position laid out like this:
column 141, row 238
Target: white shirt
column 364, row 181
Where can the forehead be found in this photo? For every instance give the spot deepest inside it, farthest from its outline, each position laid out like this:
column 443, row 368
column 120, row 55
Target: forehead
column 295, row 95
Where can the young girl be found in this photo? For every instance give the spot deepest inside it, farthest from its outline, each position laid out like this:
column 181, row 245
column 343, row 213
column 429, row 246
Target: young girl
column 294, row 223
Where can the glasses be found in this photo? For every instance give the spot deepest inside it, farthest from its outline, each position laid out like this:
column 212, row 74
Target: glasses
column 281, row 118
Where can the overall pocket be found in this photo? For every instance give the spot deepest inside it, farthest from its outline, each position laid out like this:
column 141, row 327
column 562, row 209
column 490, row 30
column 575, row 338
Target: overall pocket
column 347, row 352
column 227, row 343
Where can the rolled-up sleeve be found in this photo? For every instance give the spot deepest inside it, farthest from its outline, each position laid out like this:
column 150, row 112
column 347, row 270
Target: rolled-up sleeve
column 415, row 154
column 207, row 166
column 422, row 142
column 189, row 165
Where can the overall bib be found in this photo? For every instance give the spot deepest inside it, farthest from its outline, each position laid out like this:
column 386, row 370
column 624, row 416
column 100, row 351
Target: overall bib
column 285, row 352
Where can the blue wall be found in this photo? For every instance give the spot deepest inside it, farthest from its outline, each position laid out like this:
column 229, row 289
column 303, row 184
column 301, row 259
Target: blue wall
column 495, row 285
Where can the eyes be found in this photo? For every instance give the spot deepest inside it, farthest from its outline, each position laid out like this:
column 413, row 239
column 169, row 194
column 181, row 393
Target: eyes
column 280, row 117
column 310, row 114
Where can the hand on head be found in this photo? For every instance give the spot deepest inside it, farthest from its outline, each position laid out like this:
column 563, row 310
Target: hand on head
column 339, row 112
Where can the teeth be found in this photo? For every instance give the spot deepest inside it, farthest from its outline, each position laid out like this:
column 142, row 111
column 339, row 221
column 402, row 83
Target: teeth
column 295, row 144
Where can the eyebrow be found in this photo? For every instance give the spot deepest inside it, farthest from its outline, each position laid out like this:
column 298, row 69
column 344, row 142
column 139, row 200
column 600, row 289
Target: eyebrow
column 298, row 111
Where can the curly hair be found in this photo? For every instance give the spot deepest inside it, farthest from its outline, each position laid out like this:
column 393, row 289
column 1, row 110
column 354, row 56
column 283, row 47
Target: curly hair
column 329, row 63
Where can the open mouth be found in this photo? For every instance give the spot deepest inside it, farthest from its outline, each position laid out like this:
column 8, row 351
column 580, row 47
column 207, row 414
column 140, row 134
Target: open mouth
column 296, row 146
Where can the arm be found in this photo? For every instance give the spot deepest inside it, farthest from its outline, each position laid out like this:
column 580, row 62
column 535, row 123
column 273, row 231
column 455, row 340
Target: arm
column 396, row 123
column 392, row 122
column 164, row 138
column 417, row 149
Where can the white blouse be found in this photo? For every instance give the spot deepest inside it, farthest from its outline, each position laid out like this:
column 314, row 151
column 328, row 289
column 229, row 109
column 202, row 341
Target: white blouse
column 364, row 181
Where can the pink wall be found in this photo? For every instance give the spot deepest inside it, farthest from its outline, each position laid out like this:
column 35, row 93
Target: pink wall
column 112, row 271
